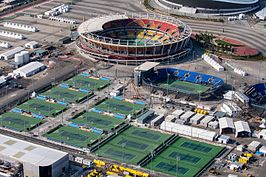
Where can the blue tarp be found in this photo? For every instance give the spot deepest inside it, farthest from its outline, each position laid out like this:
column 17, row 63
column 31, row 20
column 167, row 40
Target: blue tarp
column 62, row 103
column 17, row 110
column 96, row 110
column 118, row 98
column 140, row 102
column 119, row 116
column 97, row 130
column 84, row 90
column 41, row 97
column 104, row 79
column 85, row 74
column 38, row 116
column 73, row 125
column 63, row 85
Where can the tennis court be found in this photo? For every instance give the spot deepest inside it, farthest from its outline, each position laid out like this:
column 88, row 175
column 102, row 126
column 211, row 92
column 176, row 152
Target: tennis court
column 93, row 119
column 73, row 136
column 132, row 143
column 42, row 107
column 86, row 82
column 66, row 95
column 184, row 87
column 120, row 107
column 188, row 156
column 18, row 122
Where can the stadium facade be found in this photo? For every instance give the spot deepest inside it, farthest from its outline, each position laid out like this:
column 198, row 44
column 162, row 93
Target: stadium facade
column 134, row 38
column 222, row 7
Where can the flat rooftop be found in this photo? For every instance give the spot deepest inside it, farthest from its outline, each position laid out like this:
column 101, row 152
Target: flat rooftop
column 146, row 66
column 24, row 151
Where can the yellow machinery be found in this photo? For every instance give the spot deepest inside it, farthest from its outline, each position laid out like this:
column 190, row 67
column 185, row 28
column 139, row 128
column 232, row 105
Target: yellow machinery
column 115, row 169
column 99, row 163
column 243, row 160
column 201, row 111
column 249, row 155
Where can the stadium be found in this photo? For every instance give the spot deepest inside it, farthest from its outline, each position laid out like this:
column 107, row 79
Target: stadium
column 173, row 80
column 222, row 7
column 257, row 95
column 134, row 38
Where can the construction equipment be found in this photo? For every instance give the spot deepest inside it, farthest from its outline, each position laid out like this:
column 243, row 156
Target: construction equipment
column 112, row 169
column 137, row 94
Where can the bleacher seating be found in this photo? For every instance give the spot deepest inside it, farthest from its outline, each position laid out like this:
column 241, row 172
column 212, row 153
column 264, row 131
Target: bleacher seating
column 187, row 76
column 257, row 93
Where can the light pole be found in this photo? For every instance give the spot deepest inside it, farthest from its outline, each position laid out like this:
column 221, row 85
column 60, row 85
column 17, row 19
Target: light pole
column 177, row 159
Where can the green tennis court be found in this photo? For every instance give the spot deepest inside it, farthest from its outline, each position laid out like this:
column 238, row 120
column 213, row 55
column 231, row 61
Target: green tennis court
column 73, row 136
column 66, row 95
column 85, row 82
column 132, row 142
column 189, row 156
column 42, row 107
column 184, row 87
column 18, row 122
column 93, row 119
column 120, row 154
column 120, row 107
column 146, row 135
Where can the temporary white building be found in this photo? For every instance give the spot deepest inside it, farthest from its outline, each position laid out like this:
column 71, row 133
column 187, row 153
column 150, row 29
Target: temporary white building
column 178, row 113
column 188, row 131
column 232, row 109
column 11, row 53
column 241, row 97
column 204, row 122
column 32, row 45
column 170, row 118
column 196, row 119
column 223, row 139
column 213, row 124
column 254, row 146
column 63, row 20
column 262, row 134
column 226, row 125
column 242, row 129
column 158, row 120
column 187, row 115
column 20, row 26
column 29, row 69
column 11, row 35
column 212, row 62
column 5, row 44
column 263, row 150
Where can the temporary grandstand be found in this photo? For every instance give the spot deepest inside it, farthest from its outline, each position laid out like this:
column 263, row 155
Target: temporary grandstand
column 134, row 38
column 257, row 95
column 173, row 80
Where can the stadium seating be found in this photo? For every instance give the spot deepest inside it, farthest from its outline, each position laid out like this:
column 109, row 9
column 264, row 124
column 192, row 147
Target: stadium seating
column 257, row 93
column 183, row 75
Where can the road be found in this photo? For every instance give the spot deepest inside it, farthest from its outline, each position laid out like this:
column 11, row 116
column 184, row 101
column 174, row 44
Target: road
column 246, row 34
column 20, row 95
